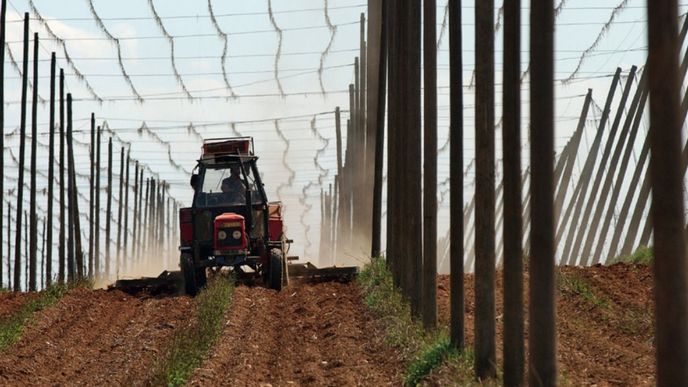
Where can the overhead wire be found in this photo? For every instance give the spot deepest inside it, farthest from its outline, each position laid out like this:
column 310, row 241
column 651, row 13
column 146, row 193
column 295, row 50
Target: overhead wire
column 603, row 31
column 170, row 39
column 326, row 51
column 278, row 54
column 62, row 43
column 223, row 36
column 115, row 41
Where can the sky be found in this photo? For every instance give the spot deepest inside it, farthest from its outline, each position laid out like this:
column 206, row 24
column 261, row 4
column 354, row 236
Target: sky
column 281, row 78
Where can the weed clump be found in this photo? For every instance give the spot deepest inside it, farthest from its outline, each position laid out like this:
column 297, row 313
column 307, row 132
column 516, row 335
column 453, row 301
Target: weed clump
column 578, row 285
column 642, row 256
column 190, row 346
column 424, row 352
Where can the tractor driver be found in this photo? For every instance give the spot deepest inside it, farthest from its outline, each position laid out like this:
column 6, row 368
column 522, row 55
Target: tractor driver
column 233, row 186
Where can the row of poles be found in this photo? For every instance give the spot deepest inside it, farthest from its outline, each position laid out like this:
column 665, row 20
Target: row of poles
column 394, row 45
column 584, row 232
column 346, row 224
column 153, row 217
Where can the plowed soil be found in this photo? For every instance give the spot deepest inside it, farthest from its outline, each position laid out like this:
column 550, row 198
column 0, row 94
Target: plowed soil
column 94, row 338
column 318, row 335
column 604, row 324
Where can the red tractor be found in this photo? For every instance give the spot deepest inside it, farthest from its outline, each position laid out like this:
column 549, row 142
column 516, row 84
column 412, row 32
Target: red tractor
column 231, row 223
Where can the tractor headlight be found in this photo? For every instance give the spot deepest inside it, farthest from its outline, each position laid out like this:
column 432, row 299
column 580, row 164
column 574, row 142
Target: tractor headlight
column 221, row 235
column 236, row 234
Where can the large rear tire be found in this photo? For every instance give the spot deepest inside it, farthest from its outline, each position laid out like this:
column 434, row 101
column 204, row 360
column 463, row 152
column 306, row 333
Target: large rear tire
column 189, row 274
column 276, row 270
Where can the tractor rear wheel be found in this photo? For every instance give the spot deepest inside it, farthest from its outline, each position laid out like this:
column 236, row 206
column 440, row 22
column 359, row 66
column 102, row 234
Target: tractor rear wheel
column 201, row 278
column 189, row 274
column 276, row 270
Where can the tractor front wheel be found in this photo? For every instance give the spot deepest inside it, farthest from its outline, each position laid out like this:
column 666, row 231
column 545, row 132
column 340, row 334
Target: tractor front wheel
column 189, row 274
column 276, row 270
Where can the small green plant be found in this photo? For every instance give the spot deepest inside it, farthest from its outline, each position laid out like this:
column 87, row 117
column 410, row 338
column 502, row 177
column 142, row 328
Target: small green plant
column 431, row 357
column 642, row 256
column 576, row 284
column 12, row 327
column 190, row 346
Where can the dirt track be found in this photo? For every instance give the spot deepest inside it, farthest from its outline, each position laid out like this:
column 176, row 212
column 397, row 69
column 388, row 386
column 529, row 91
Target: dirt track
column 305, row 335
column 94, row 338
column 315, row 335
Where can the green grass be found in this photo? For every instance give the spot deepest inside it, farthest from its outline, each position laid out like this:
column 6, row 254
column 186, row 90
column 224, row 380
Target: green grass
column 190, row 346
column 578, row 285
column 12, row 327
column 424, row 352
column 431, row 357
column 642, row 256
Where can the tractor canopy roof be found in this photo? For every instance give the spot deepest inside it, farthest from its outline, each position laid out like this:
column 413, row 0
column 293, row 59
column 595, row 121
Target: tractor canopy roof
column 219, row 151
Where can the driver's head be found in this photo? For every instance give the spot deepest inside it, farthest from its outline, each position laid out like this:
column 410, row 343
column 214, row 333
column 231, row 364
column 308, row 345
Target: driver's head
column 235, row 170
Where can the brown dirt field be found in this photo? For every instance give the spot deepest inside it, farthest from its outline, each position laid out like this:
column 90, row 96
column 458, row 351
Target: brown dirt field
column 319, row 334
column 94, row 337
column 11, row 303
column 607, row 341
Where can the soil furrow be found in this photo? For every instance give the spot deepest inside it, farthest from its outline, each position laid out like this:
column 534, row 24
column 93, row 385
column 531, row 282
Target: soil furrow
column 305, row 335
column 95, row 338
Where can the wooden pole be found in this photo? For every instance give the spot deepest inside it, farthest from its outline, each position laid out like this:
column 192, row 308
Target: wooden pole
column 51, row 175
column 26, row 250
column 429, row 296
column 375, row 117
column 340, row 173
column 42, row 271
column 670, row 266
column 74, row 209
column 22, row 151
column 640, row 168
column 394, row 260
column 353, row 145
column 96, row 255
column 161, row 212
column 134, row 235
column 456, row 172
column 485, row 355
column 595, row 189
column 151, row 217
column 571, row 151
column 108, row 214
column 92, row 224
column 3, row 38
column 601, row 199
column 145, row 234
column 363, row 175
column 575, row 205
column 63, row 187
column 542, row 346
column 118, row 258
column 628, row 135
column 71, row 262
column 33, row 216
column 511, row 148
column 126, row 256
column 9, row 247
column 377, row 89
column 139, row 233
column 410, row 156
